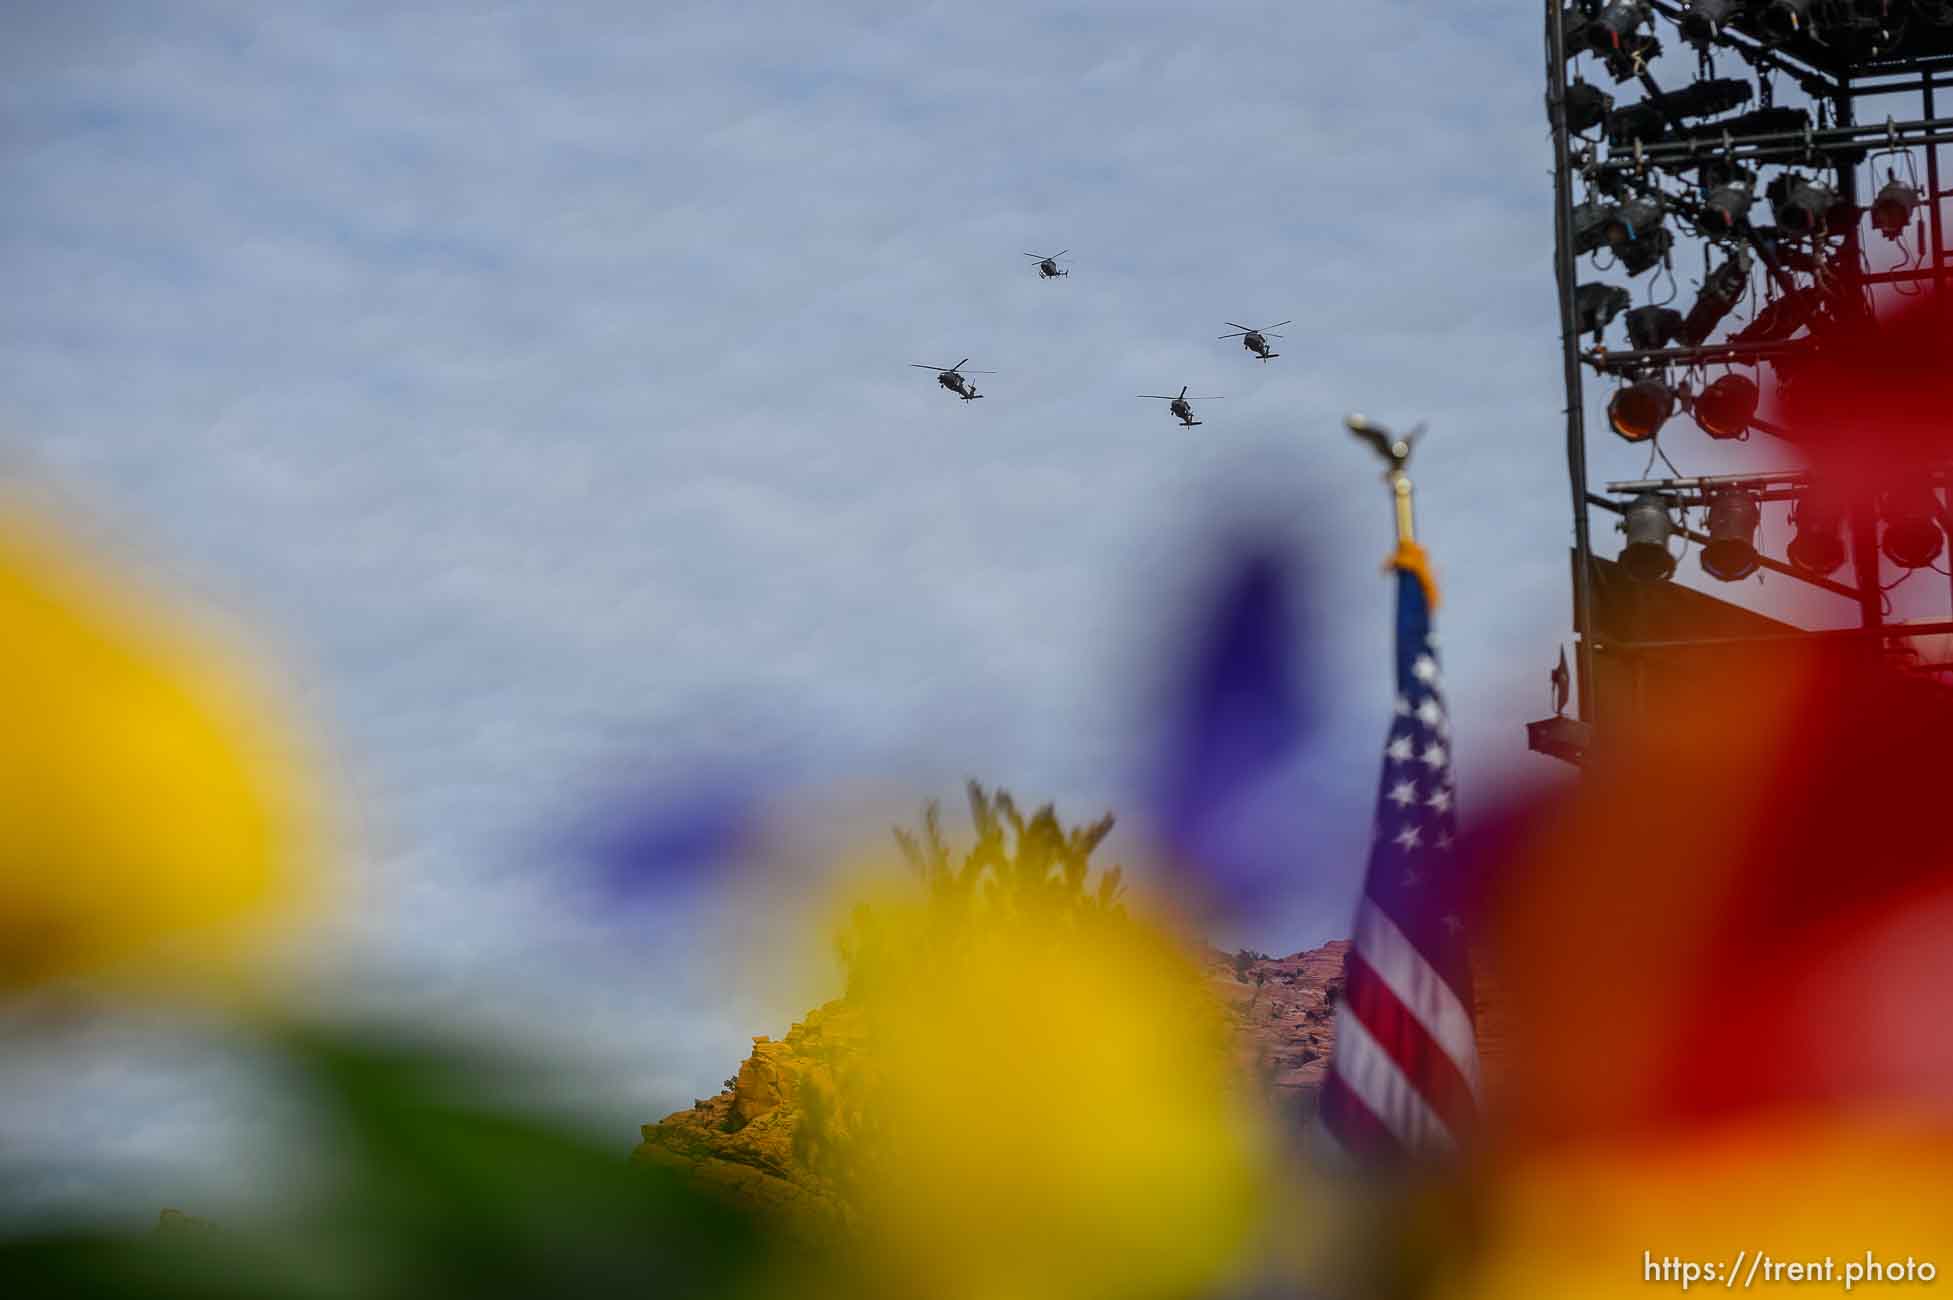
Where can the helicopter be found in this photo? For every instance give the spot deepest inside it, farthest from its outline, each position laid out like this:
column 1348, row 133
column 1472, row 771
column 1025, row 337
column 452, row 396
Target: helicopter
column 951, row 377
column 1181, row 408
column 1048, row 264
column 1256, row 341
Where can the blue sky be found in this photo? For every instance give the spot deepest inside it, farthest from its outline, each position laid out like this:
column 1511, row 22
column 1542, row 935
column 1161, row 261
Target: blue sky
column 533, row 382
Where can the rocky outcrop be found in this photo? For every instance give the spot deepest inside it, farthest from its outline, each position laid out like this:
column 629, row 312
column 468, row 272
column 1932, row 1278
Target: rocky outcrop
column 743, row 1139
column 1284, row 1012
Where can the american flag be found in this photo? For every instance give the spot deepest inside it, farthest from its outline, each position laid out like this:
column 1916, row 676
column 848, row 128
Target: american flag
column 1404, row 1079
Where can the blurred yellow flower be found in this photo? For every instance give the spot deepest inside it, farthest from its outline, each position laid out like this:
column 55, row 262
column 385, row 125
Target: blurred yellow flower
column 1043, row 1101
column 147, row 806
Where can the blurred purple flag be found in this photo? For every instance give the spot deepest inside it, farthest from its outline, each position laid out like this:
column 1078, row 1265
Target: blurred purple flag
column 1236, row 717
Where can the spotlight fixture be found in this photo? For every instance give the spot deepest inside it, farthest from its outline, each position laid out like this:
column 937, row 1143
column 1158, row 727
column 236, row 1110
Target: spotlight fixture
column 1912, row 537
column 1640, row 254
column 1726, row 209
column 1641, row 122
column 1721, row 291
column 1587, row 106
column 1590, row 223
column 1731, row 550
column 1801, row 207
column 1634, row 220
column 1633, row 57
column 1595, row 306
column 1818, row 546
column 1703, row 98
column 1573, row 28
column 1703, row 19
column 1646, row 556
column 1758, row 121
column 1782, row 318
column 1638, row 410
column 1614, row 28
column 1725, row 408
column 1784, row 20
column 1892, row 209
column 1649, row 328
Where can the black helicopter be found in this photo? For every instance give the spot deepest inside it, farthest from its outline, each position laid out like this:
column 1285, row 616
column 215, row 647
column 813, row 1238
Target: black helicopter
column 1181, row 408
column 950, row 377
column 1256, row 341
column 1048, row 264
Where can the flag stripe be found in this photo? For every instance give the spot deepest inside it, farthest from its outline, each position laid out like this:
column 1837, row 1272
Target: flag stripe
column 1428, row 996
column 1354, row 1127
column 1363, row 1064
column 1400, row 1033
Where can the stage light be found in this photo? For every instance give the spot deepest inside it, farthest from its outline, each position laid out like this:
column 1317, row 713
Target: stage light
column 1704, row 18
column 1590, row 223
column 1596, row 305
column 1573, row 30
column 1587, row 106
column 1784, row 20
column 1726, row 209
column 1725, row 408
column 1636, row 219
column 1819, row 545
column 1721, row 291
column 1731, row 550
column 1649, row 328
column 1642, row 122
column 1892, row 209
column 1912, row 538
column 1640, row 254
column 1614, row 27
column 1801, row 207
column 1638, row 410
column 1646, row 557
column 1703, row 98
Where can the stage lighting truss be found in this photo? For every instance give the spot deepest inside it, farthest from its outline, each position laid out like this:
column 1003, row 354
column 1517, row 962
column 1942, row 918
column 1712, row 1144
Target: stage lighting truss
column 1790, row 203
column 1912, row 523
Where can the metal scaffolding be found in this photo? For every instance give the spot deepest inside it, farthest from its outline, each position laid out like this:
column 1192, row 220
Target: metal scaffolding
column 1839, row 56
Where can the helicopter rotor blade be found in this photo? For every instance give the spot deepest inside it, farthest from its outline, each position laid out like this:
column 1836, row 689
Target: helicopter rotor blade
column 1278, row 324
column 1160, row 397
column 1039, row 256
column 1060, row 253
column 1183, row 392
column 1245, row 329
column 917, row 365
column 959, row 365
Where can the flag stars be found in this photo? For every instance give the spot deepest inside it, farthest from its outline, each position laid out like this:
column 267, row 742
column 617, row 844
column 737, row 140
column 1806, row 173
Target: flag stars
column 1409, row 838
column 1425, row 669
column 1434, row 756
column 1439, row 801
column 1453, row 923
column 1429, row 713
column 1444, row 841
column 1403, row 794
column 1412, row 879
column 1400, row 750
column 1403, row 706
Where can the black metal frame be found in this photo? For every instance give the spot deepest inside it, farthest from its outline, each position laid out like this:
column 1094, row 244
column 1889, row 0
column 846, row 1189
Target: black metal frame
column 1922, row 64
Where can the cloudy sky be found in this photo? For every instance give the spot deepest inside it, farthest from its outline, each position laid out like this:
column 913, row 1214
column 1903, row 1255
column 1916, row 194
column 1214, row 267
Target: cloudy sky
column 532, row 381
